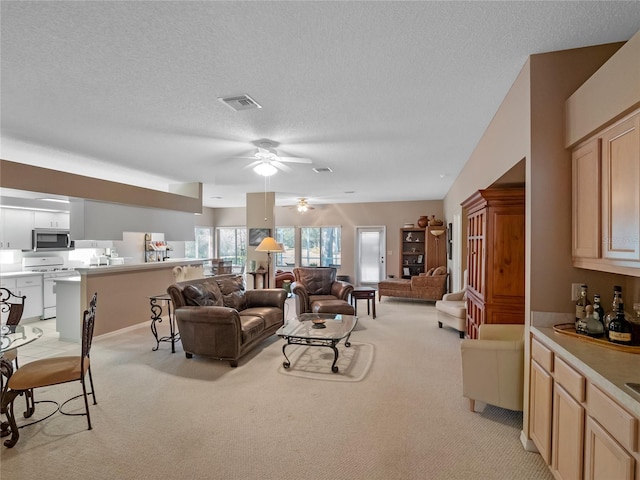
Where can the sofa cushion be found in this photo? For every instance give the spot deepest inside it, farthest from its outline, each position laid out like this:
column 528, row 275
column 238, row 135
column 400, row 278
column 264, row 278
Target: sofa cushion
column 317, row 281
column 252, row 327
column 203, row 295
column 232, row 288
column 430, row 272
column 399, row 284
column 271, row 316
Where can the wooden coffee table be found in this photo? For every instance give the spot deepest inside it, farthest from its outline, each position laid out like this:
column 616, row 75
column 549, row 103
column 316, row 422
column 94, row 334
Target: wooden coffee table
column 364, row 293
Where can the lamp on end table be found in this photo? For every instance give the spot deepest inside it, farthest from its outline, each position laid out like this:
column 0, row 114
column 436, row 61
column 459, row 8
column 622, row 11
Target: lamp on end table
column 269, row 245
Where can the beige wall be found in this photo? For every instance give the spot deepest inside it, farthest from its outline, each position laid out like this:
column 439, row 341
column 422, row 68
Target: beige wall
column 392, row 215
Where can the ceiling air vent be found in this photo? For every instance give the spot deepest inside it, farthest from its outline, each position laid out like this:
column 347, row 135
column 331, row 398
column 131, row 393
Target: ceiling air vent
column 240, row 102
column 322, row 170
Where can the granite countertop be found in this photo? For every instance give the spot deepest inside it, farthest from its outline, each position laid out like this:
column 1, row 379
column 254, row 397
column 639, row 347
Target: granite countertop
column 606, row 368
column 174, row 262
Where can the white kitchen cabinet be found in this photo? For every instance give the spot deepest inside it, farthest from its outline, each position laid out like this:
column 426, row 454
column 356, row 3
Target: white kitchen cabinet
column 51, row 220
column 16, row 226
column 31, row 287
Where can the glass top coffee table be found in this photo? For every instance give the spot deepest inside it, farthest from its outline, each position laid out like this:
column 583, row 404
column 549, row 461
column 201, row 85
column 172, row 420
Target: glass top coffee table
column 318, row 330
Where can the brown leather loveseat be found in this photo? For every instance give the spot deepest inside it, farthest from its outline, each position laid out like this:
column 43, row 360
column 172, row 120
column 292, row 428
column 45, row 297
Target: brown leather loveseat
column 217, row 318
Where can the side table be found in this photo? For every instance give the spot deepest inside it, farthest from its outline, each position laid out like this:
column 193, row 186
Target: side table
column 262, row 274
column 364, row 293
column 156, row 316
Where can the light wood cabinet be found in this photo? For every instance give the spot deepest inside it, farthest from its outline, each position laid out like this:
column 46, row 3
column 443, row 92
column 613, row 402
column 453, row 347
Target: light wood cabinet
column 605, row 459
column 606, row 199
column 580, row 431
column 621, row 190
column 568, row 435
column 540, row 409
column 495, row 257
column 586, row 200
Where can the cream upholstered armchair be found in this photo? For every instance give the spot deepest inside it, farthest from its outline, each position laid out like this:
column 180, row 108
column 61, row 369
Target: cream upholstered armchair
column 493, row 366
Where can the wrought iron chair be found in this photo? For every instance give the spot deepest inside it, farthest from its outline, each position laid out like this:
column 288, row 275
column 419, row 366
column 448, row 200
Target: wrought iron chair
column 53, row 371
column 11, row 305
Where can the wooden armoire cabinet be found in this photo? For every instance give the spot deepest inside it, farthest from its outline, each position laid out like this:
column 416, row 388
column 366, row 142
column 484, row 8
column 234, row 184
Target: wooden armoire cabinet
column 495, row 257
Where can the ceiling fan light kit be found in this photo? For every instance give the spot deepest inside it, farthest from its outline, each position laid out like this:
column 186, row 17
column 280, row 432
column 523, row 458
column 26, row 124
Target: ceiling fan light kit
column 265, row 169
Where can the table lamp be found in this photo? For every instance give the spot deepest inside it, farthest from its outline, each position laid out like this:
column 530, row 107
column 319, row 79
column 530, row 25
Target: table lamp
column 269, row 245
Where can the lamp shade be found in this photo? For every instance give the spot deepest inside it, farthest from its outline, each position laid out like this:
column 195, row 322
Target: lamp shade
column 269, row 244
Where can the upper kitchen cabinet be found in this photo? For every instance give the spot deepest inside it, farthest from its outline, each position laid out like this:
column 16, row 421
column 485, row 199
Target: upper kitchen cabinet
column 15, row 229
column 92, row 220
column 606, row 199
column 51, row 220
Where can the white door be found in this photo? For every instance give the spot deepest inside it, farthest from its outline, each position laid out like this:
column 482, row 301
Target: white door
column 370, row 258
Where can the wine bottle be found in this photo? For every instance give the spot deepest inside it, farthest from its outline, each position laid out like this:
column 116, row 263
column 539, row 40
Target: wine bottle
column 582, row 302
column 594, row 326
column 620, row 328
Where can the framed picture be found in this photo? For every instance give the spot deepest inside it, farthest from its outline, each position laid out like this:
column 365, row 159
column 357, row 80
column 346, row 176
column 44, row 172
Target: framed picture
column 405, row 271
column 450, row 241
column 419, row 258
column 256, row 235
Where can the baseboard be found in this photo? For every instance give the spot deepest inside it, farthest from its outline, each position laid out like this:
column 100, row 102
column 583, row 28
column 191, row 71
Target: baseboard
column 126, row 329
column 527, row 443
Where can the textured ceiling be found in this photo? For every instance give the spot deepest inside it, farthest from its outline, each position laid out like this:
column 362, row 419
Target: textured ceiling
column 392, row 96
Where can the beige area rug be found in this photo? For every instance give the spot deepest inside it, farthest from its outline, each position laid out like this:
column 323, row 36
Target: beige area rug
column 398, row 414
column 315, row 362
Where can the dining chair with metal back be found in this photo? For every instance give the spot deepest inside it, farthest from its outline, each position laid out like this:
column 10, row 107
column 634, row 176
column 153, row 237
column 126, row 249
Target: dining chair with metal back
column 54, row 371
column 12, row 306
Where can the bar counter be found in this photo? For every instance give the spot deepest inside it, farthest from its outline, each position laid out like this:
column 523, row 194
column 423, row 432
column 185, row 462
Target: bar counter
column 124, row 291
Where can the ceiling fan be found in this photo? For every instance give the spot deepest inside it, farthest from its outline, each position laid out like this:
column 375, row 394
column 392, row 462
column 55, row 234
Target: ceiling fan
column 303, row 205
column 268, row 162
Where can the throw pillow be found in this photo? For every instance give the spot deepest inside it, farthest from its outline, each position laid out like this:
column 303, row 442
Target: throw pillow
column 430, row 272
column 196, row 296
column 440, row 271
column 232, row 289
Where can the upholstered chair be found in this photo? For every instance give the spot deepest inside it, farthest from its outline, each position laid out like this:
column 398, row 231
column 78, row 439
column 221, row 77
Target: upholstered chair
column 317, row 284
column 493, row 366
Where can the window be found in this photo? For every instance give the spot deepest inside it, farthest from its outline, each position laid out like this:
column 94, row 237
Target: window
column 232, row 244
column 321, row 246
column 202, row 247
column 287, row 237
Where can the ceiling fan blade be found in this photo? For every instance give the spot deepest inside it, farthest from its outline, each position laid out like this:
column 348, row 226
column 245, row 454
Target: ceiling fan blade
column 280, row 165
column 252, row 164
column 295, row 160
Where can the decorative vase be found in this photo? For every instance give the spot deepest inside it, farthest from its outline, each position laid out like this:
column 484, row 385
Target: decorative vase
column 423, row 221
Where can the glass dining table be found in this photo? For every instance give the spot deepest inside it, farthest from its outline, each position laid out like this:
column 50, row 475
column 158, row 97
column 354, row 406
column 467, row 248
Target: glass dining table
column 12, row 337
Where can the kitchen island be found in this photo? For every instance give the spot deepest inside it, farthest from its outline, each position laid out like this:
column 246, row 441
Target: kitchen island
column 124, row 291
column 68, row 312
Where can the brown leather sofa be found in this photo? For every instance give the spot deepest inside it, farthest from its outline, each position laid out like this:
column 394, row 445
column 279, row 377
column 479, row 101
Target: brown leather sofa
column 217, row 318
column 318, row 284
column 431, row 285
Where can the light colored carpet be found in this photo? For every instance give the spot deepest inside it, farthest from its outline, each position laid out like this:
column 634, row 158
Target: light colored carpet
column 396, row 413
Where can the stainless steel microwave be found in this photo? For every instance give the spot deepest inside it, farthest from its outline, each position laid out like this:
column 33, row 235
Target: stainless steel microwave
column 44, row 239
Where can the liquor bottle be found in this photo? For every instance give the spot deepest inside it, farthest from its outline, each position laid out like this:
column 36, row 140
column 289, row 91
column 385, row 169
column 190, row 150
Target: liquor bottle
column 620, row 328
column 594, row 326
column 617, row 299
column 582, row 302
column 598, row 311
